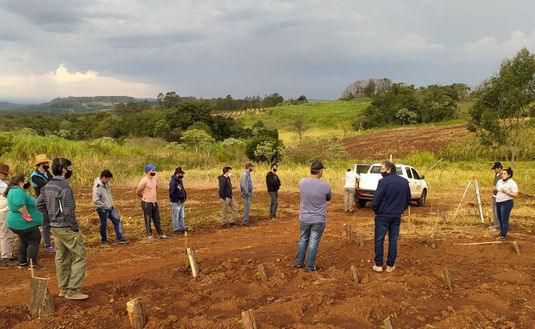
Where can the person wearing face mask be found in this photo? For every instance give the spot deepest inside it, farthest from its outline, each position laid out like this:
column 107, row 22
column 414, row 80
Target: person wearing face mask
column 246, row 192
column 6, row 235
column 23, row 219
column 273, row 184
column 225, row 195
column 507, row 190
column 146, row 190
column 57, row 199
column 390, row 200
column 39, row 178
column 177, row 197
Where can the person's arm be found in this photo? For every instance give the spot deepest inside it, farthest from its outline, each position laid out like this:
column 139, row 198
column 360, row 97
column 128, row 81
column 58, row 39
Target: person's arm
column 378, row 196
column 329, row 195
column 222, row 183
column 39, row 181
column 141, row 187
column 68, row 205
column 244, row 184
column 96, row 196
column 18, row 199
column 514, row 191
column 40, row 203
column 269, row 179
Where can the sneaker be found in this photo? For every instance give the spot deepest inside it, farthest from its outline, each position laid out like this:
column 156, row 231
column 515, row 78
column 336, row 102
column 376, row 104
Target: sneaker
column 163, row 236
column 178, row 232
column 185, row 230
column 225, row 226
column 150, row 238
column 123, row 240
column 390, row 269
column 247, row 224
column 377, row 268
column 298, row 266
column 50, row 249
column 106, row 243
column 8, row 262
column 314, row 269
column 62, row 292
column 23, row 265
column 76, row 295
column 36, row 267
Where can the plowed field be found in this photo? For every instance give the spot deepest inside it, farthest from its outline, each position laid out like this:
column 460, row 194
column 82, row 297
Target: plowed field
column 401, row 142
column 492, row 286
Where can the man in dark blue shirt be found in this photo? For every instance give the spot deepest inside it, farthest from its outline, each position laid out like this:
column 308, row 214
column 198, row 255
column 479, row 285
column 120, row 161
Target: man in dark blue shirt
column 391, row 198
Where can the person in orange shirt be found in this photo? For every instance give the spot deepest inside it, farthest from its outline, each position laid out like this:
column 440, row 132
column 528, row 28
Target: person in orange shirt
column 146, row 190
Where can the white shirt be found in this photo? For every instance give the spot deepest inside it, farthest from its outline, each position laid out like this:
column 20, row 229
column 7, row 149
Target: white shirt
column 3, row 186
column 351, row 178
column 509, row 185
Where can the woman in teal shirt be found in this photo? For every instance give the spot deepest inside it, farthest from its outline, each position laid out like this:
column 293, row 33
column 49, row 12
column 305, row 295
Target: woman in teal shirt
column 23, row 219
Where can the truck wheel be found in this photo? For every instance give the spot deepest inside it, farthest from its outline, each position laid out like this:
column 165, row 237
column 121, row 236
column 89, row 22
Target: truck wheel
column 361, row 203
column 421, row 200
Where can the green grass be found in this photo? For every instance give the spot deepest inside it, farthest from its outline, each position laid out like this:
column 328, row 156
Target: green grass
column 324, row 115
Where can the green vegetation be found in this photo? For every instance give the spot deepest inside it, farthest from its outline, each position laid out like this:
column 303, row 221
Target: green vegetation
column 70, row 105
column 324, row 115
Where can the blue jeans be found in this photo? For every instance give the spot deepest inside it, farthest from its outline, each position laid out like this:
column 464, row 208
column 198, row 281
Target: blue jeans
column 274, row 204
column 46, row 230
column 246, row 208
column 178, row 216
column 504, row 210
column 310, row 237
column 104, row 214
column 382, row 225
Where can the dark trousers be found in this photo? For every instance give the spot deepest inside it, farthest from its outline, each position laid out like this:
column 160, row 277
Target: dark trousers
column 274, row 204
column 383, row 225
column 46, row 230
column 29, row 240
column 504, row 211
column 151, row 212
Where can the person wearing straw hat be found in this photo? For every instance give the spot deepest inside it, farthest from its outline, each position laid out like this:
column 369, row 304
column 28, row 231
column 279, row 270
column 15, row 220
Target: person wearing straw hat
column 6, row 235
column 39, row 178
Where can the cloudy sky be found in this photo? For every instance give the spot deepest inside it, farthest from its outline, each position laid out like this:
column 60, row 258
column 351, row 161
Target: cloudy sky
column 213, row 48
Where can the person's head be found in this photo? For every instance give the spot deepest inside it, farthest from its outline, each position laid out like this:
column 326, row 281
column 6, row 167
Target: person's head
column 106, row 176
column 17, row 181
column 348, row 170
column 497, row 167
column 507, row 173
column 179, row 172
column 62, row 167
column 227, row 171
column 42, row 162
column 4, row 171
column 316, row 169
column 274, row 167
column 150, row 170
column 388, row 167
column 249, row 166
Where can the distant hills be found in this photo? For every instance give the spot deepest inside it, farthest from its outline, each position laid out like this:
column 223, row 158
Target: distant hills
column 67, row 105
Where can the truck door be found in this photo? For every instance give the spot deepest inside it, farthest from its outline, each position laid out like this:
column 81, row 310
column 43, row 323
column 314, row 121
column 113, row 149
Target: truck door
column 418, row 183
column 412, row 183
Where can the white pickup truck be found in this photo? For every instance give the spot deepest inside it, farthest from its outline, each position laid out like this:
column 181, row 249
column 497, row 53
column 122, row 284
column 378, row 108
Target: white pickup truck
column 370, row 174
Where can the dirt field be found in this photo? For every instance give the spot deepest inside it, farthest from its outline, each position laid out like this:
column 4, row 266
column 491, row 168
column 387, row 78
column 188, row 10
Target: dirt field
column 403, row 141
column 492, row 286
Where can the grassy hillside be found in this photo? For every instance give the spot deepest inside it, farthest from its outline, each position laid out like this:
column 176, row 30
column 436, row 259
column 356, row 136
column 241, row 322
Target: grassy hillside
column 72, row 104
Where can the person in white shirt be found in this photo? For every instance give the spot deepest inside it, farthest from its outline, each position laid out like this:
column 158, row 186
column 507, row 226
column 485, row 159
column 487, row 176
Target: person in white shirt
column 349, row 189
column 507, row 190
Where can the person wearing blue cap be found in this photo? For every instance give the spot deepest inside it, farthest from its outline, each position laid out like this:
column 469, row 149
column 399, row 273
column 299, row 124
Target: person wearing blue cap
column 146, row 190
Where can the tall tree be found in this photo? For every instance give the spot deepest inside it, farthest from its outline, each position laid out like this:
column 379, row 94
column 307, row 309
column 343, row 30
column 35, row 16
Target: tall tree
column 504, row 103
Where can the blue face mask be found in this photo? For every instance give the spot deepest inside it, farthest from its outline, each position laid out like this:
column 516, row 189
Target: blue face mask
column 384, row 173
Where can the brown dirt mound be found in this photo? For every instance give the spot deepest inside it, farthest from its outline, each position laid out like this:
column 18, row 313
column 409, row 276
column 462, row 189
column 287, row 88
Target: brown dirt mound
column 492, row 287
column 402, row 142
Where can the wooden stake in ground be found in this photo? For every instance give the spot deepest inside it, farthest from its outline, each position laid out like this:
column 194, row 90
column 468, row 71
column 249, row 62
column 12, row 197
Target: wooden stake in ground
column 387, row 323
column 354, row 271
column 40, row 304
column 446, row 276
column 193, row 262
column 517, row 248
column 186, row 258
column 136, row 314
column 248, row 319
column 262, row 272
column 477, row 243
column 349, row 234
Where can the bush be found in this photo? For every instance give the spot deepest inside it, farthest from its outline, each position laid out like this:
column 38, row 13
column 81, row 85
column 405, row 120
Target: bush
column 337, row 151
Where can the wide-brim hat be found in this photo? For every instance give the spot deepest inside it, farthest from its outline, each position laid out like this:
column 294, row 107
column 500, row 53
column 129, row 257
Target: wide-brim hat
column 41, row 158
column 4, row 168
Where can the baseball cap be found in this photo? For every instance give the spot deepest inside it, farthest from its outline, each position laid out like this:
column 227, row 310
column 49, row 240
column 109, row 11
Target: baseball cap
column 317, row 165
column 149, row 167
column 179, row 170
column 497, row 164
